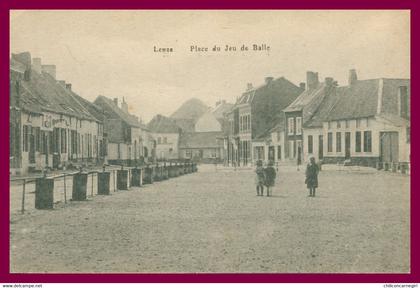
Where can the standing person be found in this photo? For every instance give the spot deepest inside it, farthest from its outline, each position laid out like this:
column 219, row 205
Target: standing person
column 299, row 157
column 311, row 181
column 270, row 177
column 259, row 178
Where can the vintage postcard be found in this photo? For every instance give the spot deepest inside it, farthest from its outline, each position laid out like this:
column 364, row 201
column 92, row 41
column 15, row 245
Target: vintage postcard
column 209, row 141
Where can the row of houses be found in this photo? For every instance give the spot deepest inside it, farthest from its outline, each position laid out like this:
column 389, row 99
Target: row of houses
column 199, row 137
column 53, row 127
column 362, row 123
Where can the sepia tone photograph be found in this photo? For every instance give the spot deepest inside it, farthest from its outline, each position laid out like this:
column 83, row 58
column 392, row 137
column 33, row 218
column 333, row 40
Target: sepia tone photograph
column 209, row 141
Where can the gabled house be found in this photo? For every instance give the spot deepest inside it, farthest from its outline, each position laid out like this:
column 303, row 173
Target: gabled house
column 166, row 134
column 49, row 126
column 201, row 146
column 254, row 113
column 129, row 141
column 300, row 115
column 365, row 122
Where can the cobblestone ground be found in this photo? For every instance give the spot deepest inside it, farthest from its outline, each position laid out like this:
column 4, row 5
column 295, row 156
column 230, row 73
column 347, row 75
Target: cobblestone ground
column 212, row 221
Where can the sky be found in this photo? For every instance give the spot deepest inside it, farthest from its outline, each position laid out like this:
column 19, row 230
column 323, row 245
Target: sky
column 111, row 53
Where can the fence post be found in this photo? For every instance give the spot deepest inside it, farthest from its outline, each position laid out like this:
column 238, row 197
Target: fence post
column 91, row 192
column 23, row 196
column 113, row 176
column 65, row 191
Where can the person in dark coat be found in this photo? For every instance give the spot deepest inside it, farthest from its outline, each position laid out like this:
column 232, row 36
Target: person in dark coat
column 311, row 181
column 259, row 178
column 299, row 157
column 270, row 177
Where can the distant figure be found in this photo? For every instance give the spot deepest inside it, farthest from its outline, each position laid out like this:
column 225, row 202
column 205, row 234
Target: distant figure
column 270, row 177
column 299, row 158
column 259, row 178
column 311, row 181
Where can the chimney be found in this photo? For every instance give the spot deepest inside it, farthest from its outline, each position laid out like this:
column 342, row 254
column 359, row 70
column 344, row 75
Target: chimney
column 49, row 69
column 311, row 80
column 302, row 85
column 352, row 76
column 68, row 86
column 248, row 86
column 124, row 106
column 268, row 80
column 36, row 65
column 116, row 101
column 329, row 81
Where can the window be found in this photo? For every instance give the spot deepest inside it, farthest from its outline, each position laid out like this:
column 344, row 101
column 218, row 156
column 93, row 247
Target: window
column 213, row 153
column 367, row 141
column 240, row 123
column 188, row 153
column 37, row 139
column 358, row 141
column 357, row 123
column 249, row 122
column 278, row 136
column 407, row 131
column 290, row 126
column 330, row 142
column 298, row 125
column 338, row 142
column 310, row 144
column 26, row 129
column 403, row 101
column 63, row 135
column 338, row 124
column 279, row 152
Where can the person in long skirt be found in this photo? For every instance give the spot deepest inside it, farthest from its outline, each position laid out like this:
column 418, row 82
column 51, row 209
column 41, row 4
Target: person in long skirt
column 259, row 178
column 311, row 181
column 270, row 177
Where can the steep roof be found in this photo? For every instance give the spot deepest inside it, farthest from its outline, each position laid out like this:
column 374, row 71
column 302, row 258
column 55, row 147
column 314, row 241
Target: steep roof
column 359, row 100
column 42, row 93
column 190, row 109
column 162, row 124
column 220, row 110
column 279, row 84
column 113, row 111
column 363, row 98
column 200, row 140
column 186, row 125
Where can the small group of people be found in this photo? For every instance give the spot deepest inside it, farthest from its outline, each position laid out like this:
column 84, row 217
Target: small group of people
column 266, row 176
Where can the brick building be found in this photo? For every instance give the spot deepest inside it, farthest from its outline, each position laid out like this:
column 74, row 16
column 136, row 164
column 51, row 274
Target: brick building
column 253, row 115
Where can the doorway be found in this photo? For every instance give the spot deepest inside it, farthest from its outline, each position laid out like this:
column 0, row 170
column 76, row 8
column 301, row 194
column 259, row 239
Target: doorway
column 389, row 147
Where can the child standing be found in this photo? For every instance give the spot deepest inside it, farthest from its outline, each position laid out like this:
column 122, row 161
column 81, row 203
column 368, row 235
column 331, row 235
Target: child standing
column 270, row 177
column 311, row 181
column 259, row 178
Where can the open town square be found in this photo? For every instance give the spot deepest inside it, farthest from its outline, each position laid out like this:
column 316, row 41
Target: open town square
column 213, row 221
